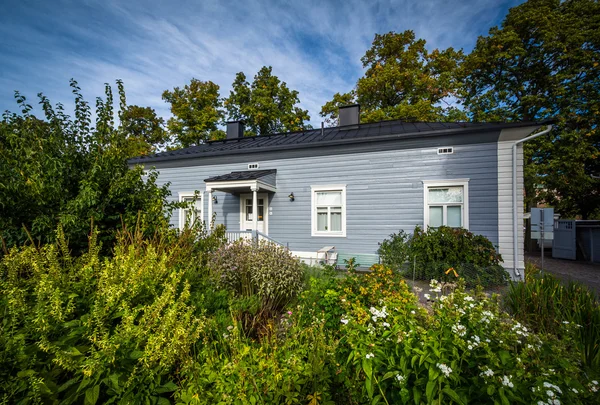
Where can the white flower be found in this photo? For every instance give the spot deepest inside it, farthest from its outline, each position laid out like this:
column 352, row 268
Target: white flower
column 344, row 321
column 487, row 372
column 413, row 312
column 427, row 296
column 230, row 328
column 385, row 324
column 469, row 298
column 378, row 313
column 552, row 386
column 459, row 329
column 574, row 390
column 370, row 356
column 400, row 378
column 566, row 322
column 506, row 381
column 444, row 369
column 550, row 393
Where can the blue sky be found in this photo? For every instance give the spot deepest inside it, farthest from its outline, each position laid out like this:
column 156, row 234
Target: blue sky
column 314, row 46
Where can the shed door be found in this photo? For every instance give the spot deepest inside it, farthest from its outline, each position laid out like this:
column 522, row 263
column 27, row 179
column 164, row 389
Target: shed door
column 564, row 244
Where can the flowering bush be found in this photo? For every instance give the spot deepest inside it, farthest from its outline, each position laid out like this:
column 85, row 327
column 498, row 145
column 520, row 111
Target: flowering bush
column 466, row 350
column 264, row 279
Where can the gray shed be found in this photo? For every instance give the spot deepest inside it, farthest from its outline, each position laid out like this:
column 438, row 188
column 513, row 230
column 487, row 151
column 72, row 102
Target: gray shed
column 576, row 240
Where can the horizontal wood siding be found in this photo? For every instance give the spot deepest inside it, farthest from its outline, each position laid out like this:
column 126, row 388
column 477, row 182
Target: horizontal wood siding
column 384, row 192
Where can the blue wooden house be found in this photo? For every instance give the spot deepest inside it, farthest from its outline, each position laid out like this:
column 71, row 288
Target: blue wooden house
column 349, row 187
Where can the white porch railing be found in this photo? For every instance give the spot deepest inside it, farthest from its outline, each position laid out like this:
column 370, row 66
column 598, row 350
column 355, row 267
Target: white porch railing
column 254, row 236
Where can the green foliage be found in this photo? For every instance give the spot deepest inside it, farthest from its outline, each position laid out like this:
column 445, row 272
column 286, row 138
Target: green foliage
column 296, row 365
column 267, row 106
column 143, row 125
column 465, row 351
column 403, row 80
column 395, row 251
column 196, row 109
column 88, row 330
column 64, row 171
column 547, row 305
column 264, row 279
column 442, row 253
column 543, row 63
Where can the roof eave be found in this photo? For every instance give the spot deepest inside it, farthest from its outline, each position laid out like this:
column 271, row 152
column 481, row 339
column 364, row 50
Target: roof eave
column 382, row 138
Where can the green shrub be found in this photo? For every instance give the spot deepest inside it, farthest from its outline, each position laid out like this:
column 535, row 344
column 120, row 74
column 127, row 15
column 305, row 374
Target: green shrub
column 431, row 253
column 545, row 304
column 465, row 351
column 93, row 330
column 395, row 251
column 298, row 366
column 264, row 279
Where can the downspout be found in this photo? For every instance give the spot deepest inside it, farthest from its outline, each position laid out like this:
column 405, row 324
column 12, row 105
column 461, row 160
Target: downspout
column 514, row 196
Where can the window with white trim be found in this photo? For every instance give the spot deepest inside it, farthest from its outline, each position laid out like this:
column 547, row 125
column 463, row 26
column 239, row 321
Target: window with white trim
column 329, row 210
column 193, row 212
column 446, row 203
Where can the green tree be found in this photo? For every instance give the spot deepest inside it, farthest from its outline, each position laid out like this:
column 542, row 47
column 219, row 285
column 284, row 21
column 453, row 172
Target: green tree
column 144, row 128
column 267, row 106
column 65, row 171
column 543, row 62
column 403, row 80
column 197, row 110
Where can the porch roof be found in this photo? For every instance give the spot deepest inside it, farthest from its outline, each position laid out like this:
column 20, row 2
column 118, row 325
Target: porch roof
column 243, row 181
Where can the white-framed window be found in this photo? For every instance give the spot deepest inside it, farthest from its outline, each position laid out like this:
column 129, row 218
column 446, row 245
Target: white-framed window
column 328, row 210
column 194, row 212
column 446, row 203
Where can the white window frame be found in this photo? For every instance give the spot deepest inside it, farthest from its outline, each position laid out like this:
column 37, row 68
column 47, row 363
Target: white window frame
column 190, row 194
column 313, row 210
column 464, row 183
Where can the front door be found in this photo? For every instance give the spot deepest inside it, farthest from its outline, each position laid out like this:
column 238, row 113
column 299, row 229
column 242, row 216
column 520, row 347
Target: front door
column 247, row 214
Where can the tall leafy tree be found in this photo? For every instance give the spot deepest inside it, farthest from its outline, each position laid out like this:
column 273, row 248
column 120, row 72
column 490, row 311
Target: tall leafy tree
column 144, row 128
column 197, row 110
column 403, row 80
column 543, row 62
column 63, row 170
column 266, row 105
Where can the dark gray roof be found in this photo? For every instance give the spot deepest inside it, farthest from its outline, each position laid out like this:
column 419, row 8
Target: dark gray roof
column 247, row 175
column 380, row 131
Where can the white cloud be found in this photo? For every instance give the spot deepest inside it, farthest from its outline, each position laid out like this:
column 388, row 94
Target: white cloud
column 315, row 47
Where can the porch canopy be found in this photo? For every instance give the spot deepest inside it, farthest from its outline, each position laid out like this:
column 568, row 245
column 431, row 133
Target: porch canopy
column 239, row 182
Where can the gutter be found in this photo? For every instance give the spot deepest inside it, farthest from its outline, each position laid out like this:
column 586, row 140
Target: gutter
column 517, row 273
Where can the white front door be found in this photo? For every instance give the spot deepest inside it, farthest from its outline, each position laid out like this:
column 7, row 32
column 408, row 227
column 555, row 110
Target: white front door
column 247, row 214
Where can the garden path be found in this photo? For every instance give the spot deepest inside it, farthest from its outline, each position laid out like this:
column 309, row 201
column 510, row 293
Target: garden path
column 569, row 270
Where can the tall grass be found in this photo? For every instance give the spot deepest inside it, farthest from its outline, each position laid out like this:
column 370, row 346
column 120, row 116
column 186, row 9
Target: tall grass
column 544, row 303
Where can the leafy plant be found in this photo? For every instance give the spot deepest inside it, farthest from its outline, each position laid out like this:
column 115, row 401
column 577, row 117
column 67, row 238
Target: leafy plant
column 88, row 329
column 395, row 251
column 264, row 278
column 546, row 304
column 430, row 254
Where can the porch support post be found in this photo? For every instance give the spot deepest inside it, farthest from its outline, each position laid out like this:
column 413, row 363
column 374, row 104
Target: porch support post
column 255, row 208
column 210, row 208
